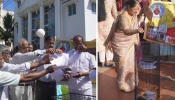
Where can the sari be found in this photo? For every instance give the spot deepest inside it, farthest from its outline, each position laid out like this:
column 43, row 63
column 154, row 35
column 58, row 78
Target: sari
column 123, row 47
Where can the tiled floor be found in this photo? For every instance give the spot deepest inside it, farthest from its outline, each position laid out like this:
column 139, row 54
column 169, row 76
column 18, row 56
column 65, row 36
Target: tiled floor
column 108, row 90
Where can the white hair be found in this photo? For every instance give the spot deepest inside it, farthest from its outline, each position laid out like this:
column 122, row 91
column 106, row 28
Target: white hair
column 21, row 42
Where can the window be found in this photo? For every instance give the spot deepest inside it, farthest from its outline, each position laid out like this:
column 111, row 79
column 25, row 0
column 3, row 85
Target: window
column 17, row 28
column 25, row 27
column 19, row 4
column 35, row 27
column 93, row 7
column 49, row 20
column 72, row 9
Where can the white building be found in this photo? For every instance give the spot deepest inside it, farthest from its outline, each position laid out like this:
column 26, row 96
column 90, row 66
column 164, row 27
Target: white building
column 62, row 18
column 3, row 13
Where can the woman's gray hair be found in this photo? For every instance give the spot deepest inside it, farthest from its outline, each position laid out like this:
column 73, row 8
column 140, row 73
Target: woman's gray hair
column 21, row 42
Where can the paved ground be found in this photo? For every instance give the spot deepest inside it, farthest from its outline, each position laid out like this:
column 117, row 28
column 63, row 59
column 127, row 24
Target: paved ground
column 108, row 90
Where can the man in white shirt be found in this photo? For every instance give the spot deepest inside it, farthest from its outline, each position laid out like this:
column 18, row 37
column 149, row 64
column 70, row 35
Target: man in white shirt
column 81, row 64
column 9, row 79
column 15, row 68
column 19, row 68
column 46, row 85
column 24, row 56
column 24, row 90
column 6, row 55
column 7, row 58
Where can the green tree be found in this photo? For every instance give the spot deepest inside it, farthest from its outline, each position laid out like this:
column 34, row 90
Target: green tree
column 7, row 32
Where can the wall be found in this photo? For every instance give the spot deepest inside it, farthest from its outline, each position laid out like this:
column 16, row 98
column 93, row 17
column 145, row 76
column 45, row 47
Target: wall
column 90, row 22
column 75, row 24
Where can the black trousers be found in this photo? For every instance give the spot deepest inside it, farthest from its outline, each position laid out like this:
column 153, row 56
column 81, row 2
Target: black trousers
column 45, row 90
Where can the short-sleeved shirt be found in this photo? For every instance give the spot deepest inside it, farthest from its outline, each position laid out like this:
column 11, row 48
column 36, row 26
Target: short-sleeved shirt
column 8, row 79
column 83, row 62
column 13, row 68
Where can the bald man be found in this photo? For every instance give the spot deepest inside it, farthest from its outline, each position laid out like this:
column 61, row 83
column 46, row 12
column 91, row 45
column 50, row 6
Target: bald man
column 24, row 90
column 6, row 67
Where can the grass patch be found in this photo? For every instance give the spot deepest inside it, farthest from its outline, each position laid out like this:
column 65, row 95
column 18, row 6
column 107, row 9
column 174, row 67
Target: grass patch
column 64, row 89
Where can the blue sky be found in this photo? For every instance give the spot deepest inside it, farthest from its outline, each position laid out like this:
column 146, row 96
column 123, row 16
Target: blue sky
column 8, row 5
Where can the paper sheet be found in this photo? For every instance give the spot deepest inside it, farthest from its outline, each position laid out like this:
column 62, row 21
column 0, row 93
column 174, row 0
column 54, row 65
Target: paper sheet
column 61, row 61
column 146, row 65
column 57, row 75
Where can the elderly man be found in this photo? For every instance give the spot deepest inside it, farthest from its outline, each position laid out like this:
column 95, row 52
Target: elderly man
column 7, row 58
column 46, row 85
column 18, row 68
column 6, row 55
column 8, row 78
column 24, row 90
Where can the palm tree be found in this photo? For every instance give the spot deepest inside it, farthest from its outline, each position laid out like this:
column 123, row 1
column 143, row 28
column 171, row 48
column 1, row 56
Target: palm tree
column 7, row 32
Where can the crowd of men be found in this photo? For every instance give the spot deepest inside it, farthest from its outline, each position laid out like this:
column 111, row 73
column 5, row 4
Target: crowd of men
column 17, row 73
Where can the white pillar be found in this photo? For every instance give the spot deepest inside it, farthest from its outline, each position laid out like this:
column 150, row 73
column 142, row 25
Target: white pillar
column 41, row 23
column 15, row 36
column 57, row 19
column 15, row 27
column 29, row 27
column 16, row 6
column 19, row 28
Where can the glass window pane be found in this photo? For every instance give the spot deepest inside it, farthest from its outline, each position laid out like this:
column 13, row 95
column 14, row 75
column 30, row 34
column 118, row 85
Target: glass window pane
column 74, row 8
column 93, row 7
column 46, row 19
column 19, row 4
column 69, row 10
column 33, row 23
column 46, row 9
column 51, row 21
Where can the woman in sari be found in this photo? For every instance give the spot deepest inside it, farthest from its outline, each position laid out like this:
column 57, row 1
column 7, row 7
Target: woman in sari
column 122, row 39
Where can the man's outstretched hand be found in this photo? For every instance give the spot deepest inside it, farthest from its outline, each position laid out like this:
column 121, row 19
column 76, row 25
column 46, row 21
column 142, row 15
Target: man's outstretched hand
column 51, row 69
column 47, row 59
column 50, row 50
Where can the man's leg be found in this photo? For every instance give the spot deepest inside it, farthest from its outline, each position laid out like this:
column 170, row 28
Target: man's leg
column 44, row 91
column 87, row 94
column 29, row 93
column 15, row 92
column 102, row 58
column 109, row 55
